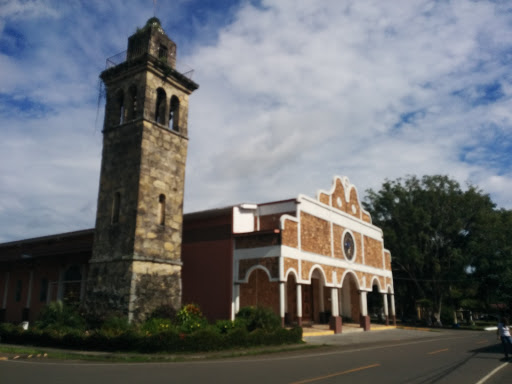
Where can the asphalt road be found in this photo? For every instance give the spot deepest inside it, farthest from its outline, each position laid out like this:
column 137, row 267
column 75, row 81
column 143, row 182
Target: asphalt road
column 391, row 356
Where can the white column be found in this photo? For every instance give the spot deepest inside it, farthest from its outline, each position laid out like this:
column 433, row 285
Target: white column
column 299, row 300
column 334, row 302
column 340, row 302
column 6, row 288
column 392, row 297
column 321, row 298
column 282, row 295
column 363, row 303
column 385, row 299
column 29, row 292
column 235, row 303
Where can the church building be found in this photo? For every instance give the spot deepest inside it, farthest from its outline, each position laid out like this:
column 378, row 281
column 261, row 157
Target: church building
column 311, row 260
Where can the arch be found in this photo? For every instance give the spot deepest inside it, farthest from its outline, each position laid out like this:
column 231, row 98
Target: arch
column 132, row 103
column 375, row 303
column 350, row 296
column 291, row 271
column 315, row 296
column 161, row 209
column 260, row 290
column 253, row 268
column 160, row 106
column 290, row 312
column 314, row 269
column 120, row 107
column 349, row 274
column 375, row 278
column 174, row 113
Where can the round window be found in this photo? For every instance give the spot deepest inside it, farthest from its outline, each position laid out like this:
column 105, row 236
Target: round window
column 348, row 245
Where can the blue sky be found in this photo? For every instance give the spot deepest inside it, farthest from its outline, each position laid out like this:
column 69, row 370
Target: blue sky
column 292, row 92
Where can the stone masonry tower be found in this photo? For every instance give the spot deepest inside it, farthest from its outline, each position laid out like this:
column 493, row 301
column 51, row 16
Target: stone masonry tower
column 136, row 263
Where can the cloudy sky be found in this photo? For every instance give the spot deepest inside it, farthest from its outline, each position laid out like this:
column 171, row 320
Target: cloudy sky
column 292, row 92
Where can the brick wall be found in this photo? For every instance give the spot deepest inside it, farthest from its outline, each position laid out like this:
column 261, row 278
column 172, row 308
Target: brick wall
column 270, row 263
column 289, row 234
column 373, row 252
column 259, row 291
column 315, row 234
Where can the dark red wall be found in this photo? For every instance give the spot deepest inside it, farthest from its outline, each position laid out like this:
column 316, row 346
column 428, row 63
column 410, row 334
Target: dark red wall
column 207, row 274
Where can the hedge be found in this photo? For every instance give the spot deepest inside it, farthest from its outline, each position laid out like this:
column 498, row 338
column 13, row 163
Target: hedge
column 209, row 338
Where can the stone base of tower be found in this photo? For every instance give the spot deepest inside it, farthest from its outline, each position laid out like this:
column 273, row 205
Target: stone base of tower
column 134, row 289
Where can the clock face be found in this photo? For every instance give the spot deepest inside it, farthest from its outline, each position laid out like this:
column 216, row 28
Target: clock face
column 348, row 246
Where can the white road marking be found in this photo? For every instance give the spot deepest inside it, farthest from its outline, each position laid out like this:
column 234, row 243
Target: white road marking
column 483, row 380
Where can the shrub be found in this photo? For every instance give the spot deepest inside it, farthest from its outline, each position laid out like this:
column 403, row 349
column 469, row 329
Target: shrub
column 116, row 324
column 156, row 325
column 259, row 318
column 165, row 341
column 225, row 326
column 207, row 339
column 61, row 317
column 237, row 337
column 190, row 319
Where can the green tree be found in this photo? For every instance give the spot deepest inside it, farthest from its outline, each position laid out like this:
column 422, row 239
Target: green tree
column 429, row 226
column 492, row 268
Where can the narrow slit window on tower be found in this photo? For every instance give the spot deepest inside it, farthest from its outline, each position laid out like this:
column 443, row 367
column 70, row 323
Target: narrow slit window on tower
column 161, row 209
column 120, row 107
column 160, row 106
column 132, row 107
column 174, row 112
column 116, row 207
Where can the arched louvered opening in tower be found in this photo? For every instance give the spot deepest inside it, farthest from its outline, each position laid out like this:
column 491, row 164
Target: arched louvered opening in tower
column 174, row 114
column 160, row 106
column 120, row 107
column 132, row 103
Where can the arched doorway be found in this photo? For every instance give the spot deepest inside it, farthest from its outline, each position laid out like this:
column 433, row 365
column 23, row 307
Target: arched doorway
column 375, row 304
column 290, row 317
column 350, row 310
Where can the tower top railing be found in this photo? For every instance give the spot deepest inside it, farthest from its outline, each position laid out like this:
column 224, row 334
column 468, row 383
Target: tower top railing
column 121, row 57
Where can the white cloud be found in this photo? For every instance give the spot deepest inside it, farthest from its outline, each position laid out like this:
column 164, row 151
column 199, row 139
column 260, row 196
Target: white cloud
column 291, row 93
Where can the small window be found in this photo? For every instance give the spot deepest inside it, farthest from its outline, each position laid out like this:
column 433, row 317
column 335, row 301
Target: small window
column 160, row 106
column 116, row 207
column 43, row 294
column 161, row 210
column 174, row 113
column 19, row 287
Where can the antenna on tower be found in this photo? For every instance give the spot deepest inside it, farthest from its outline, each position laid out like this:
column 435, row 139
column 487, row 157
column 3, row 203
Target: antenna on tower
column 154, row 8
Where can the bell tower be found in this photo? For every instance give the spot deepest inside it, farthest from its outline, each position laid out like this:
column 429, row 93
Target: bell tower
column 136, row 263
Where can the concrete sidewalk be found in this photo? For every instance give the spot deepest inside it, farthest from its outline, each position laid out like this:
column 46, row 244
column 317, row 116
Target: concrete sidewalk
column 323, row 329
column 380, row 334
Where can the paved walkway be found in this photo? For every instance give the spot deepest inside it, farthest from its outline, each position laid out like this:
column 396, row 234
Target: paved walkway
column 378, row 334
column 323, row 329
